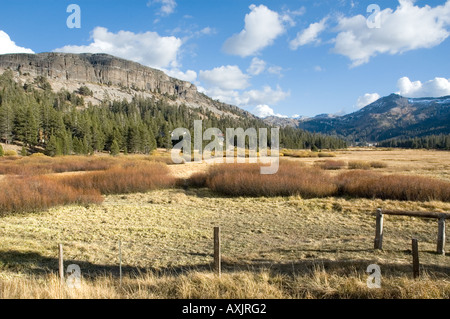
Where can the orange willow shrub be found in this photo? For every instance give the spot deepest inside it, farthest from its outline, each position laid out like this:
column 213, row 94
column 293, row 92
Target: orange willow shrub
column 291, row 179
column 398, row 187
column 128, row 178
column 294, row 179
column 36, row 193
column 330, row 164
column 44, row 165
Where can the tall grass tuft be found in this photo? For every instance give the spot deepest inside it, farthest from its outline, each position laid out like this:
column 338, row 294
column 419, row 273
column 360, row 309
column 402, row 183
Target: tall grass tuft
column 36, row 165
column 367, row 184
column 129, row 178
column 330, row 164
column 37, row 193
column 294, row 179
column 291, row 179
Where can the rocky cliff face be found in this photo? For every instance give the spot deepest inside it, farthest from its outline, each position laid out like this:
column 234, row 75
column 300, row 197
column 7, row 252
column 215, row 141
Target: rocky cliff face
column 110, row 77
column 97, row 68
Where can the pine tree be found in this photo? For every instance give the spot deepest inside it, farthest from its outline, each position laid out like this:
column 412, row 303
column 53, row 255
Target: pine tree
column 23, row 151
column 6, row 122
column 115, row 150
column 52, row 148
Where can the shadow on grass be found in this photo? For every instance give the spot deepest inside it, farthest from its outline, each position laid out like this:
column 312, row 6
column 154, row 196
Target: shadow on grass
column 36, row 264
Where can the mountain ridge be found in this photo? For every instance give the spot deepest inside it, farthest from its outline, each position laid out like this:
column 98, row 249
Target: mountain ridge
column 392, row 116
column 109, row 76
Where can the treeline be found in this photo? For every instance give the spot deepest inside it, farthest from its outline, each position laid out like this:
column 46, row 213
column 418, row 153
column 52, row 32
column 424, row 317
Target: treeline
column 439, row 142
column 59, row 122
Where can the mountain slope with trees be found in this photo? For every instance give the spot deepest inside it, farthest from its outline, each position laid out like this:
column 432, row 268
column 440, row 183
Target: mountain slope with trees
column 34, row 114
column 392, row 116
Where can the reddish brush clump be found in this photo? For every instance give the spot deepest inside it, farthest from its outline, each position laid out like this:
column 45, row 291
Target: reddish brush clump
column 291, row 179
column 129, row 178
column 45, row 165
column 398, row 187
column 35, row 193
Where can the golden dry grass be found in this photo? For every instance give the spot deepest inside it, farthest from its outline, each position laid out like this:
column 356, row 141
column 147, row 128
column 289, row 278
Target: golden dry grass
column 260, row 284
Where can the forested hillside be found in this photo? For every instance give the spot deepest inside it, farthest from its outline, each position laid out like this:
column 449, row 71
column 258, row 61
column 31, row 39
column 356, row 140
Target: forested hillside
column 439, row 142
column 59, row 123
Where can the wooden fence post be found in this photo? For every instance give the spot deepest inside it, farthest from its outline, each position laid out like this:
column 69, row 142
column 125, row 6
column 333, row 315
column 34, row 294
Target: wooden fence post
column 120, row 262
column 379, row 230
column 415, row 253
column 217, row 257
column 61, row 263
column 441, row 236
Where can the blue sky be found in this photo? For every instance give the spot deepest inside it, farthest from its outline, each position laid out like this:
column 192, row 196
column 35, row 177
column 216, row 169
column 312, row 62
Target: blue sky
column 293, row 57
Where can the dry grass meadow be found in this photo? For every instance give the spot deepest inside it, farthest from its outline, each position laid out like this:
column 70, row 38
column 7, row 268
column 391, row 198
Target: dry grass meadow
column 277, row 246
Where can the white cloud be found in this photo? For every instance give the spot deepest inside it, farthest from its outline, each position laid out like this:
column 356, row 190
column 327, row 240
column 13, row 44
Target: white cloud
column 257, row 66
column 407, row 28
column 9, row 46
column 263, row 110
column 288, row 15
column 207, row 31
column 275, row 70
column 189, row 75
column 146, row 48
column 225, row 96
column 228, row 77
column 318, row 68
column 247, row 98
column 265, row 96
column 167, row 6
column 309, row 35
column 433, row 88
column 366, row 99
column 262, row 27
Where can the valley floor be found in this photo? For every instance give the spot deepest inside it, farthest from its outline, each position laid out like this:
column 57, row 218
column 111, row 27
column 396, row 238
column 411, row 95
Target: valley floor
column 282, row 247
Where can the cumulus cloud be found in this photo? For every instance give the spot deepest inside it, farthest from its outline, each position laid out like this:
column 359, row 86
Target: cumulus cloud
column 9, row 46
column 247, row 98
column 257, row 66
column 228, row 77
column 433, row 88
column 407, row 28
column 366, row 99
column 262, row 27
column 309, row 35
column 263, row 110
column 167, row 6
column 189, row 75
column 146, row 48
column 265, row 96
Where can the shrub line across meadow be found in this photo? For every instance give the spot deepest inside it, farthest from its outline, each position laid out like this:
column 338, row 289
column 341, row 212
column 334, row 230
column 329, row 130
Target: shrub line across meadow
column 31, row 193
column 309, row 182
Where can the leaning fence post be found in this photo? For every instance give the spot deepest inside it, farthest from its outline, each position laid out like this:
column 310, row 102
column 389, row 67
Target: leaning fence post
column 379, row 230
column 441, row 236
column 415, row 253
column 217, row 258
column 61, row 263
